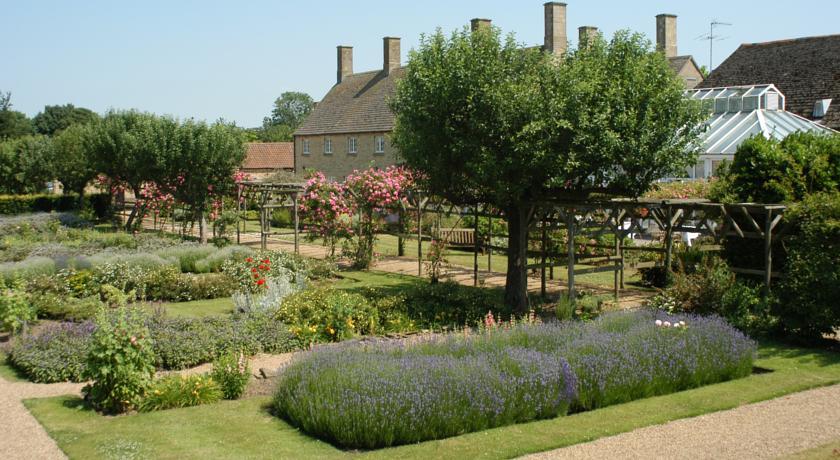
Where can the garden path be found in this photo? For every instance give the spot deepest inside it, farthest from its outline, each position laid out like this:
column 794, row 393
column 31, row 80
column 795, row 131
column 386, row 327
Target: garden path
column 768, row 429
column 22, row 437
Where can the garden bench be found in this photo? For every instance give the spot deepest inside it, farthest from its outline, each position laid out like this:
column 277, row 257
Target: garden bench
column 457, row 237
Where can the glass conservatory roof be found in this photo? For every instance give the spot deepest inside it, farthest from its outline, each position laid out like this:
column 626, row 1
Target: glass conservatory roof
column 740, row 112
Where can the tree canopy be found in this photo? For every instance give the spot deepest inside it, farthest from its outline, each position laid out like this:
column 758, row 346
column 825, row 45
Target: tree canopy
column 13, row 124
column 290, row 109
column 55, row 118
column 485, row 120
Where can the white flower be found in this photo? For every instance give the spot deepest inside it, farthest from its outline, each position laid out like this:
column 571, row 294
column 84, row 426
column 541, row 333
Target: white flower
column 676, row 325
column 658, row 322
column 682, row 323
column 667, row 324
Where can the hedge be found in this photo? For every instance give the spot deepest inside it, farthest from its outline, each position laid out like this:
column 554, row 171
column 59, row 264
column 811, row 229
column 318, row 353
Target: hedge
column 22, row 204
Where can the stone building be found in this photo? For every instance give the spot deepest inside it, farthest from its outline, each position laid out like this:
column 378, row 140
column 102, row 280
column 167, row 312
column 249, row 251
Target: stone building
column 350, row 127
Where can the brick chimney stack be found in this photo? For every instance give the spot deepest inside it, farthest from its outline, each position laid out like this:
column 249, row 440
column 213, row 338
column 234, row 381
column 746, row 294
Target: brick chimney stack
column 391, row 54
column 666, row 34
column 345, row 62
column 586, row 33
column 556, row 41
column 477, row 24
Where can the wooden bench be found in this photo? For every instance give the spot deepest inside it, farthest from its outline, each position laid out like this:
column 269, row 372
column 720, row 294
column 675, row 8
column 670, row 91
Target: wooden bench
column 457, row 237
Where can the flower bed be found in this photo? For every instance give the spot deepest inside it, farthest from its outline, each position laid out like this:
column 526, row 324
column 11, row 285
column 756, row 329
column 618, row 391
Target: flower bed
column 367, row 396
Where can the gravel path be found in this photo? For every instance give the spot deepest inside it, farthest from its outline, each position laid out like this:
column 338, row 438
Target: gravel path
column 767, row 429
column 22, row 436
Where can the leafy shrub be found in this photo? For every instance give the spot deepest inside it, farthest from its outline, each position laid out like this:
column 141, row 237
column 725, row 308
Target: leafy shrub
column 809, row 303
column 451, row 304
column 771, row 171
column 231, row 372
column 180, row 343
column 56, row 307
column 382, row 394
column 325, row 315
column 176, row 391
column 26, row 269
column 380, row 397
column 15, row 310
column 21, row 204
column 57, row 353
column 711, row 287
column 187, row 256
column 120, row 361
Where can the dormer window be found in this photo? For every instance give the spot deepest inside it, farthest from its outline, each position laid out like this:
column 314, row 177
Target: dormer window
column 821, row 107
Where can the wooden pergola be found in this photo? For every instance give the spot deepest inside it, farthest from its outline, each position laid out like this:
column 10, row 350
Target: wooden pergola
column 270, row 196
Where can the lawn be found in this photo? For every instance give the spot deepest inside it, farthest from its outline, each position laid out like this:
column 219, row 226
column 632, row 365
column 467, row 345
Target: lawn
column 245, row 428
column 198, row 308
column 8, row 372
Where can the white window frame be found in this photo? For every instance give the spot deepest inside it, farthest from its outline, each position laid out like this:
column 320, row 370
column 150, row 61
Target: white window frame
column 328, row 147
column 306, row 147
column 352, row 145
column 379, row 144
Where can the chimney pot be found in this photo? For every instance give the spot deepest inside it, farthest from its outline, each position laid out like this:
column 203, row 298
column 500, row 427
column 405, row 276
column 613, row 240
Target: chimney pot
column 556, row 40
column 586, row 34
column 345, row 62
column 666, row 34
column 478, row 23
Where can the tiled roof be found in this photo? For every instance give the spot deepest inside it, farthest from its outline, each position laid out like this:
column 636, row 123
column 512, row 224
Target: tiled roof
column 804, row 69
column 269, row 155
column 358, row 104
column 678, row 62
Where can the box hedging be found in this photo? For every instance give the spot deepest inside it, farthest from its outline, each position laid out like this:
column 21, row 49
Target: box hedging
column 21, row 204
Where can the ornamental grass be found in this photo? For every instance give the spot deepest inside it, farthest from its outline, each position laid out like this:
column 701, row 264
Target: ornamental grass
column 371, row 395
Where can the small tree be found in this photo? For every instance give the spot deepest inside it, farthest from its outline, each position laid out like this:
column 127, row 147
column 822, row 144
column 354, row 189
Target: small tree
column 290, row 109
column 72, row 160
column 488, row 121
column 201, row 167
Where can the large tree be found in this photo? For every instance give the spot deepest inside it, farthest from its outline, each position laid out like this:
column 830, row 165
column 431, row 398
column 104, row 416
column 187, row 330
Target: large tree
column 485, row 120
column 26, row 164
column 290, row 109
column 55, row 118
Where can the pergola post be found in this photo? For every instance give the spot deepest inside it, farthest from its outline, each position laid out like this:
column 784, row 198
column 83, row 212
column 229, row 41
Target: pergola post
column 570, row 232
column 489, row 243
column 475, row 247
column 669, row 241
column 768, row 251
column 543, row 248
column 297, row 222
column 400, row 239
column 419, row 238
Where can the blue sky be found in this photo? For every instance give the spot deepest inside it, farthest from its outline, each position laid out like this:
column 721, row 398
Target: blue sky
column 212, row 59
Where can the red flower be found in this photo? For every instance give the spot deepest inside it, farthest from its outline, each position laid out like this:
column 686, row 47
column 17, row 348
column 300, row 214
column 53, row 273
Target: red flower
column 253, row 270
column 249, row 260
column 260, row 282
column 256, row 276
column 266, row 261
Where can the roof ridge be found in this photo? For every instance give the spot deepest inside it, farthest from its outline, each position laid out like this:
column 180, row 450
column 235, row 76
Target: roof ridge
column 791, row 40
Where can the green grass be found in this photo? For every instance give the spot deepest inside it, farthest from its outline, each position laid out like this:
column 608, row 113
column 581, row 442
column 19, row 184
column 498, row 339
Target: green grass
column 245, row 428
column 8, row 372
column 827, row 451
column 198, row 308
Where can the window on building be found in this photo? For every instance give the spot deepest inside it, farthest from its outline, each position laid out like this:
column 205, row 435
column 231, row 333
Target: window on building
column 306, row 146
column 327, row 146
column 379, row 146
column 352, row 145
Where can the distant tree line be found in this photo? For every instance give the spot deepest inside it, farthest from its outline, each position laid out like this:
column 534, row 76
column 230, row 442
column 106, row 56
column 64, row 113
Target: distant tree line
column 193, row 162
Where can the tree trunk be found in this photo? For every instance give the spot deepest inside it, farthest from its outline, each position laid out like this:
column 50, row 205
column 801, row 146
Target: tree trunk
column 516, row 283
column 202, row 228
column 129, row 224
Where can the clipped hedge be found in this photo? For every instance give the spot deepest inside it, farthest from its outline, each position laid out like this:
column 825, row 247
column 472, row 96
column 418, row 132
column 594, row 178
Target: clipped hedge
column 23, row 204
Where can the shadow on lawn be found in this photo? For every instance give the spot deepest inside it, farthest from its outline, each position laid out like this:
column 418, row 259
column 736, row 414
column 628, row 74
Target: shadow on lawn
column 823, row 355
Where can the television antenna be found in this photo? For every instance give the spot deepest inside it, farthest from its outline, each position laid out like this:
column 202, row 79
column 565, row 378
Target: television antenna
column 712, row 38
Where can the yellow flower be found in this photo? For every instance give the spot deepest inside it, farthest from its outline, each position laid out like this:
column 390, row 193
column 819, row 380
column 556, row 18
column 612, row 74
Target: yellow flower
column 331, row 330
column 313, row 328
column 350, row 322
